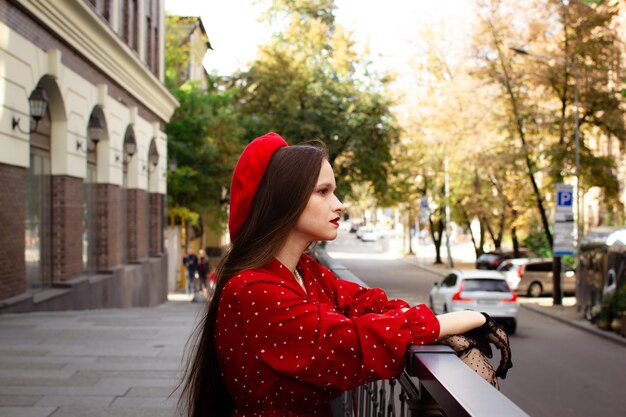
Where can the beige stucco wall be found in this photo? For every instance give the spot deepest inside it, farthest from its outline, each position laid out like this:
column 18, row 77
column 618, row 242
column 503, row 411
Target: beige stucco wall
column 22, row 65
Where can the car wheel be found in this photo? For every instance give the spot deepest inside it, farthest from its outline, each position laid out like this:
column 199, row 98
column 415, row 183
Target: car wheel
column 430, row 304
column 445, row 308
column 535, row 289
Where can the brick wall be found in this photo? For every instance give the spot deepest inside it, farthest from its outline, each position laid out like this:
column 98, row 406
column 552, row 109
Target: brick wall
column 156, row 223
column 108, row 224
column 137, row 226
column 67, row 227
column 12, row 224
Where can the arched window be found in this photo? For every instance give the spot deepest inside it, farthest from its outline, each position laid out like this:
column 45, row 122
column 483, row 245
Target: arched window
column 96, row 131
column 38, row 231
column 130, row 148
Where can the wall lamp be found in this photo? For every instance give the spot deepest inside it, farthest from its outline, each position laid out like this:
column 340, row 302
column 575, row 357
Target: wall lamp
column 153, row 155
column 130, row 147
column 95, row 132
column 38, row 104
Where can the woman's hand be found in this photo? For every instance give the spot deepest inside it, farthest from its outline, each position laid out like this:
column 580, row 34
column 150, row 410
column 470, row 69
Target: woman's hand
column 459, row 322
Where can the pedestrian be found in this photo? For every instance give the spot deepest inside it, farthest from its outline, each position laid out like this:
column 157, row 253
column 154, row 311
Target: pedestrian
column 191, row 263
column 203, row 269
column 282, row 335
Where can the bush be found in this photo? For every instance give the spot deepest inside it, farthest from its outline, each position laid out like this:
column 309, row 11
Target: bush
column 537, row 243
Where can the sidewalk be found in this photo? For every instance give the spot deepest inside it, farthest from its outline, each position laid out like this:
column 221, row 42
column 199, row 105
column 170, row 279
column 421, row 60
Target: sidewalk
column 94, row 363
column 566, row 313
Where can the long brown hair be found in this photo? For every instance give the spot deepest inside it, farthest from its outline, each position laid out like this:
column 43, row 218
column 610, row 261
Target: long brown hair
column 281, row 198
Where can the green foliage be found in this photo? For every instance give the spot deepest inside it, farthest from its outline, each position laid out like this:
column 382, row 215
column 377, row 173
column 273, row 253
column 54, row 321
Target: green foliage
column 204, row 139
column 619, row 306
column 309, row 83
column 537, row 243
column 606, row 308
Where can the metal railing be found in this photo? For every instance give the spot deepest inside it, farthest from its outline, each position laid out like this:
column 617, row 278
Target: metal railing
column 435, row 382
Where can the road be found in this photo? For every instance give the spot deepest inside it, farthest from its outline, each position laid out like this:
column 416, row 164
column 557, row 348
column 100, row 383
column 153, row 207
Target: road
column 559, row 370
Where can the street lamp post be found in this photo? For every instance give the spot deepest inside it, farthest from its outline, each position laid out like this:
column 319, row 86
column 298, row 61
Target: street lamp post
column 572, row 65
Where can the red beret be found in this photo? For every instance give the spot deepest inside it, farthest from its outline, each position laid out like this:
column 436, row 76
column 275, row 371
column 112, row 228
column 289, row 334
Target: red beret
column 247, row 177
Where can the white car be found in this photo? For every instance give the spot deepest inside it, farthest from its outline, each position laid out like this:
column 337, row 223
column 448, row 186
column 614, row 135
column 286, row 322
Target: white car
column 513, row 270
column 479, row 290
column 368, row 234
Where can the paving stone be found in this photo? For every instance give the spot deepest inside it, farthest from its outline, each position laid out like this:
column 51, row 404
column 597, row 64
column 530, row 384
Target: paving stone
column 145, row 402
column 18, row 400
column 75, row 380
column 97, row 389
column 162, row 392
column 94, row 363
column 27, row 411
column 128, row 373
column 75, row 400
column 6, row 351
column 33, row 373
column 18, row 364
column 111, row 412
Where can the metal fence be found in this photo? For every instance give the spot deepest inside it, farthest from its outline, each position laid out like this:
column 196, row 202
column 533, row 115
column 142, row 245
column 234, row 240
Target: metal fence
column 435, row 383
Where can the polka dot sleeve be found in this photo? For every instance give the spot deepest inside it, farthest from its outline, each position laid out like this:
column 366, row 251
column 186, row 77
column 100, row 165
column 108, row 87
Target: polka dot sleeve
column 314, row 342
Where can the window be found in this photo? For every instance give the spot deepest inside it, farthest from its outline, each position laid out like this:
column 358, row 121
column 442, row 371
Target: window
column 449, row 281
column 539, row 267
column 507, row 266
column 486, row 284
column 129, row 18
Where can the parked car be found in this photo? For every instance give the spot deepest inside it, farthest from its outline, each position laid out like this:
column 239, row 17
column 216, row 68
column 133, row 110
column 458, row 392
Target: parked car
column 368, row 234
column 491, row 260
column 535, row 278
column 513, row 269
column 479, row 290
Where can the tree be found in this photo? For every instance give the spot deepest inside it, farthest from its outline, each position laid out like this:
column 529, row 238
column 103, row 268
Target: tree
column 204, row 138
column 309, row 83
column 204, row 134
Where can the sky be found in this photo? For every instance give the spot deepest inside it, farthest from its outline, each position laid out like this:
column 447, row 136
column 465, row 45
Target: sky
column 388, row 27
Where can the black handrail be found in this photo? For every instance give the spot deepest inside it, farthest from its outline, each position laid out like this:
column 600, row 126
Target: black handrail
column 435, row 382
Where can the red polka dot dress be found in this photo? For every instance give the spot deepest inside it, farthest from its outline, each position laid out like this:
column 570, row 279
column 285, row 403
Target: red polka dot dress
column 284, row 351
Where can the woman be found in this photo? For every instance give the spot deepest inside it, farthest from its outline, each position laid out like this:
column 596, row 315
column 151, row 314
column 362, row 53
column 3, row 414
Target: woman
column 282, row 335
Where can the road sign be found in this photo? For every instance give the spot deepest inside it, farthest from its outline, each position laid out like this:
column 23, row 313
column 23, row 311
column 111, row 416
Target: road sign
column 424, row 210
column 564, row 221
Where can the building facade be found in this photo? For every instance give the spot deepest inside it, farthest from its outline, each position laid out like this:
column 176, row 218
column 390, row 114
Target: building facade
column 83, row 183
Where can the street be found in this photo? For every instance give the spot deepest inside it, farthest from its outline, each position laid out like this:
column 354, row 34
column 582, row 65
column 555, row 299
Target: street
column 558, row 370
column 126, row 362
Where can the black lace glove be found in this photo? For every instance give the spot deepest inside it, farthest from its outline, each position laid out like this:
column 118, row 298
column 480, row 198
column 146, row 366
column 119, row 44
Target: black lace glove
column 490, row 332
column 473, row 353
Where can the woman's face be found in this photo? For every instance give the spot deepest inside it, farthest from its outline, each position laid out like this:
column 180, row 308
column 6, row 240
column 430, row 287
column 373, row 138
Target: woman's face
column 320, row 218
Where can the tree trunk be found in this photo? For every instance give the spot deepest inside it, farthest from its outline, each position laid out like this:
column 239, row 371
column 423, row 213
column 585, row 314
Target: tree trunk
column 437, row 242
column 515, row 242
column 477, row 250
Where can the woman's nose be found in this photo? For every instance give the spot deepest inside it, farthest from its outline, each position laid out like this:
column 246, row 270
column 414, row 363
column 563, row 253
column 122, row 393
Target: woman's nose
column 339, row 207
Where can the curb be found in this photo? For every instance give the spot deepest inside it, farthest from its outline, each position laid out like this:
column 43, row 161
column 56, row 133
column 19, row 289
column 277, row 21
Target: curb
column 582, row 325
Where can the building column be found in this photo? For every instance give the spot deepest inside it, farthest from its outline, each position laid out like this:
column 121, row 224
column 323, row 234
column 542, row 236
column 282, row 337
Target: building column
column 12, row 223
column 67, row 227
column 156, row 224
column 137, row 224
column 108, row 224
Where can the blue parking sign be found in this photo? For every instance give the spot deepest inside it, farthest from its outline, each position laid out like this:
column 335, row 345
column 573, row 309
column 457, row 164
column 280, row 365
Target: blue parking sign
column 564, row 198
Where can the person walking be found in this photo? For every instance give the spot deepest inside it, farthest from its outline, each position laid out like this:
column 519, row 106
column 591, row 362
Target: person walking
column 203, row 270
column 282, row 335
column 191, row 263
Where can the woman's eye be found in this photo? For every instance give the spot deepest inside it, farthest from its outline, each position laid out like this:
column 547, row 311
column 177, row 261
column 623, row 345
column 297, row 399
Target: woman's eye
column 323, row 191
